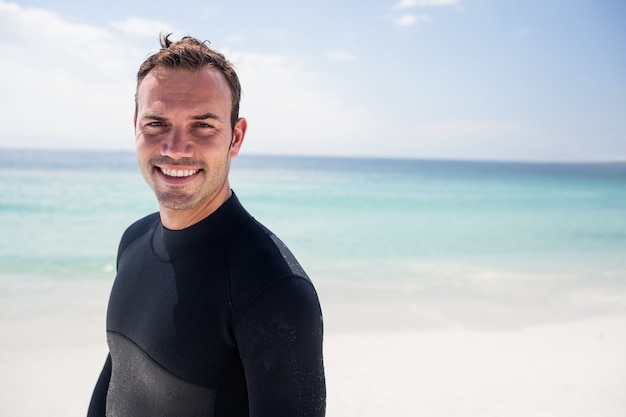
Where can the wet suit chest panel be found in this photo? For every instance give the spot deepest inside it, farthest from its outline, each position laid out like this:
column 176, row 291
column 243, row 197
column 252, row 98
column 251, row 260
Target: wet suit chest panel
column 198, row 318
column 142, row 387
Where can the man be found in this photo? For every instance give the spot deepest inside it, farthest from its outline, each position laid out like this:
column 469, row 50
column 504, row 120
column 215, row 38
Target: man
column 210, row 314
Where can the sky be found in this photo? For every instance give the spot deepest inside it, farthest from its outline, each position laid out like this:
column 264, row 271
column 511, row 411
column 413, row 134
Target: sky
column 525, row 80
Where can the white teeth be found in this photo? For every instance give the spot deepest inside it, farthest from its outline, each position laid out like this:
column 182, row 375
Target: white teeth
column 179, row 172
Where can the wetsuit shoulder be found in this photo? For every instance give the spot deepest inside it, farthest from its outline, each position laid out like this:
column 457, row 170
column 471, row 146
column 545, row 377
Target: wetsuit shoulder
column 256, row 259
column 138, row 229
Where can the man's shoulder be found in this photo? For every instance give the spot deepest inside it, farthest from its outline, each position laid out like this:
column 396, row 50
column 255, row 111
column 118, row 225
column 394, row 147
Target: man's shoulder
column 257, row 246
column 139, row 228
column 262, row 267
column 144, row 224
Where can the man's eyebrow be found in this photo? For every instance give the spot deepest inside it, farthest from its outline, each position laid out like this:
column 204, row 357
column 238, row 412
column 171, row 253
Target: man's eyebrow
column 206, row 116
column 154, row 117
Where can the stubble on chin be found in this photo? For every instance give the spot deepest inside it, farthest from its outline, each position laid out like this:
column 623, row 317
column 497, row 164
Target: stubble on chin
column 176, row 200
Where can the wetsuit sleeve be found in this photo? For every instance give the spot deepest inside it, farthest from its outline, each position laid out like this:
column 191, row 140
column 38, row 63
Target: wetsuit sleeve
column 280, row 343
column 97, row 406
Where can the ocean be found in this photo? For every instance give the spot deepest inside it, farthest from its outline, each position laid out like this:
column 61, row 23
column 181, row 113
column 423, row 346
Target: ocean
column 465, row 235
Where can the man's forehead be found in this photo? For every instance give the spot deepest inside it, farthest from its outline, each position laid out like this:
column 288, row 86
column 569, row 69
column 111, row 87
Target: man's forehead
column 163, row 87
column 167, row 75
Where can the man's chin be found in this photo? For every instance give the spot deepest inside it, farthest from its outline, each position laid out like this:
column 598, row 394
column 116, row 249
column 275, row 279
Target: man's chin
column 176, row 202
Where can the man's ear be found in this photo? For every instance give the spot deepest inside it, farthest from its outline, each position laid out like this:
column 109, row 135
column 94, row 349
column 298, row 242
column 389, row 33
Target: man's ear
column 239, row 132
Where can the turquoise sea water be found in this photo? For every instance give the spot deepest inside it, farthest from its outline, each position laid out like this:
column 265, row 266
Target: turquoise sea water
column 353, row 223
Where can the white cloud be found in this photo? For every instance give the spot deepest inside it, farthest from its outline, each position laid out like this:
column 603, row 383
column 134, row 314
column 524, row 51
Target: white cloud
column 29, row 21
column 407, row 20
column 289, row 110
column 340, row 55
column 138, row 26
column 71, row 85
column 64, row 84
column 38, row 38
column 407, row 4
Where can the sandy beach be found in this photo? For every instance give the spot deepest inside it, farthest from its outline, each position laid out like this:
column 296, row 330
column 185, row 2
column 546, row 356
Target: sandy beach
column 52, row 347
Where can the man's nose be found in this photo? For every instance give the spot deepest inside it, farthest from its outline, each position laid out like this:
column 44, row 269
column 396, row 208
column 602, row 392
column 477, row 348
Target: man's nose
column 176, row 145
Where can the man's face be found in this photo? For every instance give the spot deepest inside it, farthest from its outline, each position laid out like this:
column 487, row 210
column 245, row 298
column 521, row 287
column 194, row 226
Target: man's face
column 184, row 138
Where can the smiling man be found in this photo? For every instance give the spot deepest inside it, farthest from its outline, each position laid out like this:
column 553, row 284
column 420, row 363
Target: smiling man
column 210, row 313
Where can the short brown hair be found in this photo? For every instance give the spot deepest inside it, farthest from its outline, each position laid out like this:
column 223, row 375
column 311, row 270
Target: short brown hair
column 191, row 53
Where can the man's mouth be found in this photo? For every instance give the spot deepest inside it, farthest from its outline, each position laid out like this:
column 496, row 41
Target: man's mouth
column 179, row 173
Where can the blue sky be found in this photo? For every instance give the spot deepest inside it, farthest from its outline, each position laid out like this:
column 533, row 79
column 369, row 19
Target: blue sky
column 453, row 79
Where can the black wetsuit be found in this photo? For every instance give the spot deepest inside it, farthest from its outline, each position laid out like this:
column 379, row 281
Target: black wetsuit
column 218, row 319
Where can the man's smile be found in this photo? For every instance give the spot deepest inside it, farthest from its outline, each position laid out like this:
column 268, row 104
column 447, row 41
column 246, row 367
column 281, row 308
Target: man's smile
column 179, row 172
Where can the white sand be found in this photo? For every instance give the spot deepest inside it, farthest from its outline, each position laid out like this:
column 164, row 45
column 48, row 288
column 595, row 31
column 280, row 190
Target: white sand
column 51, row 354
column 573, row 370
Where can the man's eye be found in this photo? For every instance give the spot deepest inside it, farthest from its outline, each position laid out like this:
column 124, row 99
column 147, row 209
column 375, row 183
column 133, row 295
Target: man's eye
column 155, row 124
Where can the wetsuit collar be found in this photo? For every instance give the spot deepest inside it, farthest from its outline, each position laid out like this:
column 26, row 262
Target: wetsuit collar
column 171, row 244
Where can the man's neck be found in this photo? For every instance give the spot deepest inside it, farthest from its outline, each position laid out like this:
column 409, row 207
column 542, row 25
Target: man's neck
column 181, row 219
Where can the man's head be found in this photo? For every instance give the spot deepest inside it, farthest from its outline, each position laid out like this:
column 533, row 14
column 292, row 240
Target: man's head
column 187, row 129
column 191, row 54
